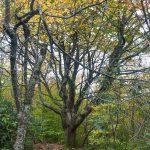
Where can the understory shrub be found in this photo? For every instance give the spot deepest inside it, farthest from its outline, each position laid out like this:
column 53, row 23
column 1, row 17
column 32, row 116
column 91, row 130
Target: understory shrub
column 8, row 122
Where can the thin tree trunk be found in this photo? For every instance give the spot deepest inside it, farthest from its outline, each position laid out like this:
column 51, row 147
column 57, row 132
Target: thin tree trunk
column 21, row 131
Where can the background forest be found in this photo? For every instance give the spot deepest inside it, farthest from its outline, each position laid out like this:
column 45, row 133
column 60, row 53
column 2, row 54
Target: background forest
column 75, row 74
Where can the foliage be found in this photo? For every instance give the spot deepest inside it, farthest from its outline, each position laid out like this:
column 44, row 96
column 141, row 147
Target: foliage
column 44, row 126
column 8, row 123
column 80, row 42
column 120, row 125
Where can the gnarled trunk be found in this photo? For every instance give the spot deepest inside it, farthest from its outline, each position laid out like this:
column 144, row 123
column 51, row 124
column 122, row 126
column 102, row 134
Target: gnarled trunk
column 70, row 138
column 68, row 123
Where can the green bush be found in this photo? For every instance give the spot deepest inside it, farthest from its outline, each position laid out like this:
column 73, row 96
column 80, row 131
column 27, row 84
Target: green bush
column 44, row 126
column 8, row 122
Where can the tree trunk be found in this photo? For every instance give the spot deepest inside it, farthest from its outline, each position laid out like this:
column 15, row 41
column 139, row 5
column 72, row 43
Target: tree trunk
column 21, row 130
column 70, row 138
column 68, row 124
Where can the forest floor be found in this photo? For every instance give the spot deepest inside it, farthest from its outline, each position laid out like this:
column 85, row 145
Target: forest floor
column 46, row 146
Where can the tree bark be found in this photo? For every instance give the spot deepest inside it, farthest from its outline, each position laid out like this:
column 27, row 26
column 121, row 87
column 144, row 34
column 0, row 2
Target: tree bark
column 68, row 123
column 21, row 130
column 70, row 138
